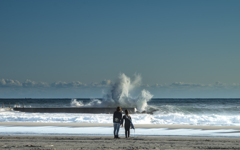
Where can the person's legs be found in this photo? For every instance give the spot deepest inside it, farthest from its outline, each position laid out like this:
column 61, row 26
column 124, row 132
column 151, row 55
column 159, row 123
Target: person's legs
column 125, row 132
column 117, row 130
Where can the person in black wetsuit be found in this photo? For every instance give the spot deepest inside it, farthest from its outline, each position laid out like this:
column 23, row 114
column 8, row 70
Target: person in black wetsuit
column 117, row 119
column 127, row 124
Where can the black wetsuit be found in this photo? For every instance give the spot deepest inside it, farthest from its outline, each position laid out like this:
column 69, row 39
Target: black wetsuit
column 127, row 124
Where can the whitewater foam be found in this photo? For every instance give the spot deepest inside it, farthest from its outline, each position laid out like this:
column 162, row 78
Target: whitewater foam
column 165, row 111
column 171, row 118
column 75, row 103
column 119, row 95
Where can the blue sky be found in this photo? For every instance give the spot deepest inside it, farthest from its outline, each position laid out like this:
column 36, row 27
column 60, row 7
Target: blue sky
column 84, row 43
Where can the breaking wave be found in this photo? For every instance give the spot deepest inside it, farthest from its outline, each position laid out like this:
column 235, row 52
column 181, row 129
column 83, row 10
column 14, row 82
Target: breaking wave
column 120, row 95
column 156, row 118
column 76, row 103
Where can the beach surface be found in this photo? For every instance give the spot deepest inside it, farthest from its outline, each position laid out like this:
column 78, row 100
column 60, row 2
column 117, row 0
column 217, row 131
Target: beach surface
column 72, row 142
column 108, row 142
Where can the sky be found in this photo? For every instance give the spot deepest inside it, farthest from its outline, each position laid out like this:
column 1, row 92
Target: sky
column 78, row 48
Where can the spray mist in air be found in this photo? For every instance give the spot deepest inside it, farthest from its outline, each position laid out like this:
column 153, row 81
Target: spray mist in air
column 120, row 95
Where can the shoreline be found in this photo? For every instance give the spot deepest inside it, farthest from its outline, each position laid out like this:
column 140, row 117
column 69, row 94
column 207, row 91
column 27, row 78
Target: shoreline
column 106, row 129
column 176, row 126
column 107, row 142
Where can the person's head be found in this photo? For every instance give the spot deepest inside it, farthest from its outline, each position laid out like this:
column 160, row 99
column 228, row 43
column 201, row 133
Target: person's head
column 119, row 108
column 126, row 112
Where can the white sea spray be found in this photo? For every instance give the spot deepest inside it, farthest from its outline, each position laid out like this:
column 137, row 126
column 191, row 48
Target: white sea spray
column 76, row 103
column 120, row 95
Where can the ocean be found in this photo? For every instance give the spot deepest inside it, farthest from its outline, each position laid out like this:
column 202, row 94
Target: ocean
column 191, row 111
column 219, row 112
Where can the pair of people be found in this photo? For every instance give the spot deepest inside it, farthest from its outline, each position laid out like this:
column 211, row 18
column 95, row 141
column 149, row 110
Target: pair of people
column 118, row 120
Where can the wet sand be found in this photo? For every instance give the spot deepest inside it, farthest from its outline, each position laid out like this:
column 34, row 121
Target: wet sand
column 107, row 142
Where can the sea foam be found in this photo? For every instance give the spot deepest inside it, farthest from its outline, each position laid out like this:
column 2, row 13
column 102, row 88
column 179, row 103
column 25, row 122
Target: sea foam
column 156, row 118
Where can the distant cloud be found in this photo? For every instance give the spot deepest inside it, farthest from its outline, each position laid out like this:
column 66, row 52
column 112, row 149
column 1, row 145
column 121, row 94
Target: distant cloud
column 182, row 84
column 10, row 83
column 106, row 82
column 159, row 85
column 29, row 83
column 235, row 85
column 14, row 88
column 61, row 84
column 219, row 84
column 4, row 83
column 16, row 83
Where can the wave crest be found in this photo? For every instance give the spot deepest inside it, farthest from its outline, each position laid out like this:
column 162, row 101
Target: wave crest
column 119, row 95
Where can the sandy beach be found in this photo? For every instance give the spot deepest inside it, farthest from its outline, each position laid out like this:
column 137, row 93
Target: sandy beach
column 67, row 142
column 107, row 142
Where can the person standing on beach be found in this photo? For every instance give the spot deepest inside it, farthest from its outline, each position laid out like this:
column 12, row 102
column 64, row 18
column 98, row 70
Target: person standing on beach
column 117, row 119
column 127, row 124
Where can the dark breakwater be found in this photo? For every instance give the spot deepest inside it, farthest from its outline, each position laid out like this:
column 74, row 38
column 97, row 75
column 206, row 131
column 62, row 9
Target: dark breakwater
column 95, row 110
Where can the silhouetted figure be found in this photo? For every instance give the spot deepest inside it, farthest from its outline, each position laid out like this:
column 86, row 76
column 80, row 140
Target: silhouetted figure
column 117, row 119
column 127, row 124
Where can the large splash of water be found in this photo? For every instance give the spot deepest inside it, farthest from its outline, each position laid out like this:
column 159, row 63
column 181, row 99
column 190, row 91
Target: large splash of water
column 120, row 95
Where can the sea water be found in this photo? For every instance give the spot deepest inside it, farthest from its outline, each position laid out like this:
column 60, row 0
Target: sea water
column 103, row 131
column 220, row 112
column 191, row 111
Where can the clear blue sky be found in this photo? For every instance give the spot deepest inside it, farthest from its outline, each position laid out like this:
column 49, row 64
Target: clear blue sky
column 168, row 41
